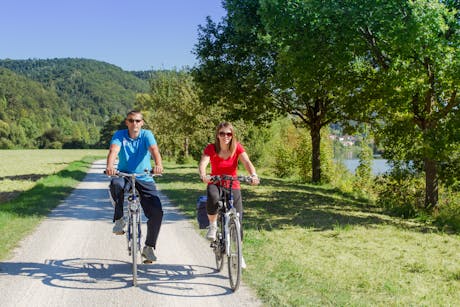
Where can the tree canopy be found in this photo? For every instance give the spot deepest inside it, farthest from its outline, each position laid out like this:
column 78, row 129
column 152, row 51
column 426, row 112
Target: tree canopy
column 394, row 65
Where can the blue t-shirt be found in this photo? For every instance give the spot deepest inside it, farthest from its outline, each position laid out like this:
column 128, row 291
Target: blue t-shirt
column 134, row 155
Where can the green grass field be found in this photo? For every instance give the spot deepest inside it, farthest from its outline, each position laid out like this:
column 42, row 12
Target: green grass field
column 309, row 245
column 32, row 183
column 304, row 245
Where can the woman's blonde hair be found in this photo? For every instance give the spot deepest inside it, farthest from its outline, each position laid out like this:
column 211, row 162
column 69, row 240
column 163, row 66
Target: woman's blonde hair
column 233, row 142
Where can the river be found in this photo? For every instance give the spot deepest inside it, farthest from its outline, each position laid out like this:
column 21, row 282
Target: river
column 379, row 166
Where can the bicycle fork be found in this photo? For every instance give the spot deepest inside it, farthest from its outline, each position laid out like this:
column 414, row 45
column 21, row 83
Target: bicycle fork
column 133, row 224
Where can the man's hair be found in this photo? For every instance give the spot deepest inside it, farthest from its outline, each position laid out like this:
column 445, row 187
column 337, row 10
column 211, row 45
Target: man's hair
column 134, row 112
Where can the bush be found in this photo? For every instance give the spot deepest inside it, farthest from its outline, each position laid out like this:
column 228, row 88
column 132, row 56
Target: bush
column 448, row 213
column 401, row 192
column 284, row 161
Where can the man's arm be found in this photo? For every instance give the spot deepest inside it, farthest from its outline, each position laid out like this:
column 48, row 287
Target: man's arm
column 155, row 152
column 111, row 158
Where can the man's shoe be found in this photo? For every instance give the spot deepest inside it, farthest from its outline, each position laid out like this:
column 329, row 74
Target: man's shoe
column 212, row 232
column 119, row 226
column 148, row 254
column 243, row 263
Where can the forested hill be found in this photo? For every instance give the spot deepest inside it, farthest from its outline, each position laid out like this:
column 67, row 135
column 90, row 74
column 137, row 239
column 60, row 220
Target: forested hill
column 62, row 102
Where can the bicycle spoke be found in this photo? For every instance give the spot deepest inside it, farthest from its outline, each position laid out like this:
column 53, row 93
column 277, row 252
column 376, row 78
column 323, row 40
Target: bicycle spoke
column 235, row 254
column 134, row 247
column 219, row 248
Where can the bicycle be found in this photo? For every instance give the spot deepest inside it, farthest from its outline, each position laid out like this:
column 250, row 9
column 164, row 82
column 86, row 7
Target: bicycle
column 133, row 233
column 228, row 239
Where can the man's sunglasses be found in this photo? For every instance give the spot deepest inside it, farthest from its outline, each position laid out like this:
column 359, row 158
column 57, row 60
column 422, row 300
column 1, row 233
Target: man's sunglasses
column 134, row 120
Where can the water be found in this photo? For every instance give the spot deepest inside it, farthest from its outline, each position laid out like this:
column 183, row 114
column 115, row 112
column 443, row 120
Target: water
column 379, row 166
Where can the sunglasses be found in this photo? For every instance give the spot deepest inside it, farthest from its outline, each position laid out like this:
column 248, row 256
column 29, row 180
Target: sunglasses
column 134, row 120
column 229, row 134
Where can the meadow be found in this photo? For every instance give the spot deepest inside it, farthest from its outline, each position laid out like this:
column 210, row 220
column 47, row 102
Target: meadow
column 32, row 183
column 305, row 245
column 308, row 245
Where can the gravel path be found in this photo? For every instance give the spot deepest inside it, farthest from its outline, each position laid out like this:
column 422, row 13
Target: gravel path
column 73, row 259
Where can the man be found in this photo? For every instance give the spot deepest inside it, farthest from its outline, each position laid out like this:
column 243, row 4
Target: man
column 134, row 147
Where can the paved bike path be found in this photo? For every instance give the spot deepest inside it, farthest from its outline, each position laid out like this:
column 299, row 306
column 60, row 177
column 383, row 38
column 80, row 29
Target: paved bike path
column 73, row 259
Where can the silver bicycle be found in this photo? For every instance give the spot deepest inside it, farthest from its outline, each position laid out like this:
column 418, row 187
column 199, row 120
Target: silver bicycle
column 133, row 215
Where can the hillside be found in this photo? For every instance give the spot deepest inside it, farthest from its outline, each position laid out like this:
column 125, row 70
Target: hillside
column 61, row 100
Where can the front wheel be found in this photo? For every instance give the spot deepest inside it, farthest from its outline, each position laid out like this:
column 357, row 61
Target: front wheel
column 134, row 246
column 219, row 249
column 234, row 254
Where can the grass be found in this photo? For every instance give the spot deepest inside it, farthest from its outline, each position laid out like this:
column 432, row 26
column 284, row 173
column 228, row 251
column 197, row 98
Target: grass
column 305, row 245
column 309, row 245
column 36, row 182
column 21, row 169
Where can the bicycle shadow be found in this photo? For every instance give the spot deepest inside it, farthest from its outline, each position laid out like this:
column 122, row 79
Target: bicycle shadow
column 183, row 280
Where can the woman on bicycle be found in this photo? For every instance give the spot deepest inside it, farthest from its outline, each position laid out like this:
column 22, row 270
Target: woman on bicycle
column 224, row 155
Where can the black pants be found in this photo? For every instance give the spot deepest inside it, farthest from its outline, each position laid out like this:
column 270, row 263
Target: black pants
column 213, row 192
column 150, row 203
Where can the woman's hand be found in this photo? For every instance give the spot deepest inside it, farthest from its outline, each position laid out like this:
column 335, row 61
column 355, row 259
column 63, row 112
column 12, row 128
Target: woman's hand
column 205, row 178
column 255, row 179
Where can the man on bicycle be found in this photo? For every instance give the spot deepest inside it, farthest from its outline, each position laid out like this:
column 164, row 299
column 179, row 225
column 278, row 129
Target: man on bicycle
column 134, row 147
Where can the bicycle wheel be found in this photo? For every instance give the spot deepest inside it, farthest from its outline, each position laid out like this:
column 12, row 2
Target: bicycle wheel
column 134, row 246
column 235, row 253
column 219, row 248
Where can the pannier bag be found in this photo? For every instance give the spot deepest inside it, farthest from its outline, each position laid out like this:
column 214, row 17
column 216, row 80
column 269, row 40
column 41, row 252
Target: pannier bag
column 201, row 213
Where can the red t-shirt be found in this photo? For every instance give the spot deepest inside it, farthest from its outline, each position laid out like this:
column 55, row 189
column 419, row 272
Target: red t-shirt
column 228, row 166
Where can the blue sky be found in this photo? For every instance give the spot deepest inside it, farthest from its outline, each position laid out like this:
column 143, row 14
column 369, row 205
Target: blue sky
column 131, row 34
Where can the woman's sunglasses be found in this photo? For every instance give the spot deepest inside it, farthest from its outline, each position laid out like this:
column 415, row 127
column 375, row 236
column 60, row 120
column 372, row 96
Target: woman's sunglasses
column 229, row 134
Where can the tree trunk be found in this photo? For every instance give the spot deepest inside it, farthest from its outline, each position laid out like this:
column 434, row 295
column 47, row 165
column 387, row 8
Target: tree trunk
column 315, row 133
column 431, row 184
column 186, row 146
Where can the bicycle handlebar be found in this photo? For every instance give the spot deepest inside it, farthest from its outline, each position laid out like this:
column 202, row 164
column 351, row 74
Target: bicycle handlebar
column 145, row 173
column 217, row 178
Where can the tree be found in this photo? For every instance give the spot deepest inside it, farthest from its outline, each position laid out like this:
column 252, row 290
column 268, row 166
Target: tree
column 174, row 111
column 412, row 50
column 279, row 56
column 114, row 123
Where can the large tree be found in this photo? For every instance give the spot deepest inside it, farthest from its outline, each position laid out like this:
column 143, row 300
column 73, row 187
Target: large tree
column 412, row 50
column 268, row 57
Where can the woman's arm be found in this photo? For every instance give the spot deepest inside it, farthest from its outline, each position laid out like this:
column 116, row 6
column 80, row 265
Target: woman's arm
column 244, row 158
column 204, row 161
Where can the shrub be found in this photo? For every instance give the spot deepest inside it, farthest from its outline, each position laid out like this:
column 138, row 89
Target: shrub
column 401, row 192
column 448, row 213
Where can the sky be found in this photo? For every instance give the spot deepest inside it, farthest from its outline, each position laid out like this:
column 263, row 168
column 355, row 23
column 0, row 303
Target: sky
column 131, row 34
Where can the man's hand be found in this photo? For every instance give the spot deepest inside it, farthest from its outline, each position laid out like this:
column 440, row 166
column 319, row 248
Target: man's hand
column 110, row 171
column 158, row 170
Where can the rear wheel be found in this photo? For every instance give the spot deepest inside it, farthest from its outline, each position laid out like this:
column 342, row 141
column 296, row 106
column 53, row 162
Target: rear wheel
column 235, row 254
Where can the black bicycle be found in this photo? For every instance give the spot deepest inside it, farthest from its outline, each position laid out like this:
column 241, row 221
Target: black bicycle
column 228, row 239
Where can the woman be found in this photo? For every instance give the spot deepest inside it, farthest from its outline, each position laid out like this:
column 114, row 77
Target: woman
column 224, row 155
